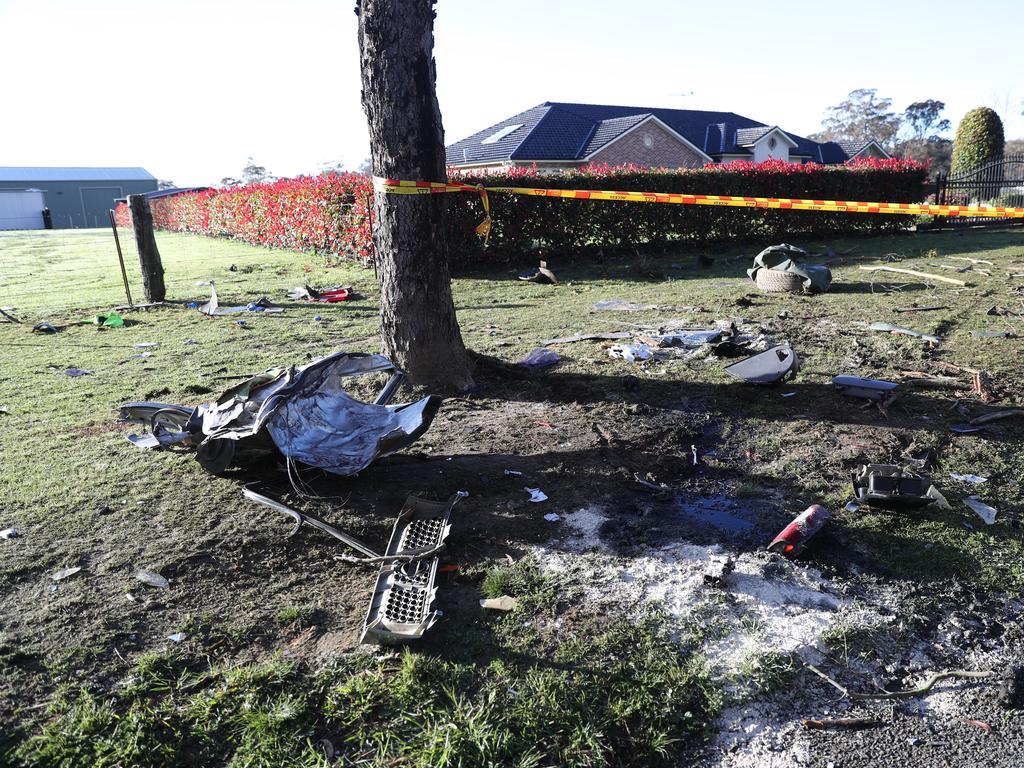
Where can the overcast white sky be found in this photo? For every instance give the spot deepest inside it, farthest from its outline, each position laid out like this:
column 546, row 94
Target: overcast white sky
column 189, row 89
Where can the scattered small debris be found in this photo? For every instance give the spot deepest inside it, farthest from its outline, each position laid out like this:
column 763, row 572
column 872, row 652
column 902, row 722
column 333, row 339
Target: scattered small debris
column 74, row 372
column 788, row 394
column 189, row 341
column 719, row 567
column 968, row 478
column 843, row 722
column 177, row 637
column 539, row 274
column 777, row 364
column 544, row 424
column 889, row 328
column 1011, row 691
column 65, row 572
column 9, row 533
column 981, row 509
column 503, row 603
column 889, row 486
column 551, row 517
column 621, row 305
column 919, row 309
column 979, row 723
column 794, row 536
column 152, row 579
column 43, row 328
column 997, row 415
column 588, row 337
column 513, row 473
column 536, row 494
column 330, row 295
column 868, row 389
column 539, row 358
column 631, row 352
column 852, row 506
column 109, row 320
column 147, row 345
column 992, row 334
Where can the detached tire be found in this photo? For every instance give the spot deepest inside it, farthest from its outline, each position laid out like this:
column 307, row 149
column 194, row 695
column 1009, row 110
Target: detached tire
column 777, row 281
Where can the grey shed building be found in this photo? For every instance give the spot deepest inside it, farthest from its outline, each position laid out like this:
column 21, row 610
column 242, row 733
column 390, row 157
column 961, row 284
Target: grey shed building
column 78, row 197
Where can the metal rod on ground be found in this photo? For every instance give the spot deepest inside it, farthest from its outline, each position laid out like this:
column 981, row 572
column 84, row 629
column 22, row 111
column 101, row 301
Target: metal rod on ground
column 120, row 258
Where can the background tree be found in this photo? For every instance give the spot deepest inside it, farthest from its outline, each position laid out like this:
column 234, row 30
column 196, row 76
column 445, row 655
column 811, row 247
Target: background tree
column 418, row 324
column 922, row 120
column 254, row 174
column 1014, row 147
column 979, row 138
column 923, row 125
column 165, row 184
column 330, row 166
column 229, row 181
column 863, row 117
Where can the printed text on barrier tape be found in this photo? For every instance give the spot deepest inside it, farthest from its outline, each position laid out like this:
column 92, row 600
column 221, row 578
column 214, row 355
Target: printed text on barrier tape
column 395, row 186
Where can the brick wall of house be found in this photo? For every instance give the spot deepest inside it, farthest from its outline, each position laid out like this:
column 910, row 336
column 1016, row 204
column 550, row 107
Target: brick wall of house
column 666, row 151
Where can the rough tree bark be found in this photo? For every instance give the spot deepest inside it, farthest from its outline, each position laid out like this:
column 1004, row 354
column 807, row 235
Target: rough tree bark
column 145, row 244
column 420, row 331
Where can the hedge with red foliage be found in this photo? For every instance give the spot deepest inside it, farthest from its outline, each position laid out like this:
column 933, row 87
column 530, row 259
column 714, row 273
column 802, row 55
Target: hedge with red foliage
column 328, row 214
column 520, row 220
column 325, row 214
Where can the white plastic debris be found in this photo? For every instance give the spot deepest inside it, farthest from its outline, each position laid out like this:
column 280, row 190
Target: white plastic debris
column 77, row 372
column 631, row 352
column 9, row 533
column 852, row 506
column 536, row 494
column 551, row 517
column 147, row 344
column 152, row 579
column 503, row 603
column 64, row 573
column 177, row 637
column 968, row 478
column 513, row 473
column 981, row 509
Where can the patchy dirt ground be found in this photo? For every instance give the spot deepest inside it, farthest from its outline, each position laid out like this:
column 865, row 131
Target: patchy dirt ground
column 652, row 469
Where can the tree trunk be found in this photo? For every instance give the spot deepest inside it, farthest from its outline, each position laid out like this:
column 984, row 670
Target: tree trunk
column 420, row 331
column 145, row 244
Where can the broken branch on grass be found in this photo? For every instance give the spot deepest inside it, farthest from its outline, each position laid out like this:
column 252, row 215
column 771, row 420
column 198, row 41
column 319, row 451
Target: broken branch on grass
column 997, row 415
column 919, row 309
column 923, row 689
column 915, row 273
column 827, row 679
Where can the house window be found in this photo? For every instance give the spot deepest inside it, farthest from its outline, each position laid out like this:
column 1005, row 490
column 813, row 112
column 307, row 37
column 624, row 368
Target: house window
column 648, row 140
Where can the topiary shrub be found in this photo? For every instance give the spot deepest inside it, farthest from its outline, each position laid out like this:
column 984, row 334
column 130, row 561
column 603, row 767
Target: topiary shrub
column 979, row 138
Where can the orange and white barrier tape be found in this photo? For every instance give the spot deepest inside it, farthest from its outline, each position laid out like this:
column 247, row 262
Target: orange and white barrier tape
column 398, row 187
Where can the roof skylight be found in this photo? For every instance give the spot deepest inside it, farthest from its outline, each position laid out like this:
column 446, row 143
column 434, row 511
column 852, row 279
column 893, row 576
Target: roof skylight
column 501, row 133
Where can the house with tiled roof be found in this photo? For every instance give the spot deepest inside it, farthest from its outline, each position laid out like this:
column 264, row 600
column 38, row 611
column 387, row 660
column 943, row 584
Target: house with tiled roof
column 556, row 136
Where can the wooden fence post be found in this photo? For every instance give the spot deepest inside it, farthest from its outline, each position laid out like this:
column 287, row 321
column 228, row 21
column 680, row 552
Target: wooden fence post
column 145, row 244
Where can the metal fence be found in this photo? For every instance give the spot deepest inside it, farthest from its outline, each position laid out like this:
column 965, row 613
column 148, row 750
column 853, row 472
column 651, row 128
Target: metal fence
column 999, row 182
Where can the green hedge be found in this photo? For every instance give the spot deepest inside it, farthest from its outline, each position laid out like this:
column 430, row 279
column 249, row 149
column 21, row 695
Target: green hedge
column 523, row 222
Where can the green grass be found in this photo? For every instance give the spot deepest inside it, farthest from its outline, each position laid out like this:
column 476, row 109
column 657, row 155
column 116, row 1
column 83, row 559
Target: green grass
column 624, row 695
column 545, row 684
